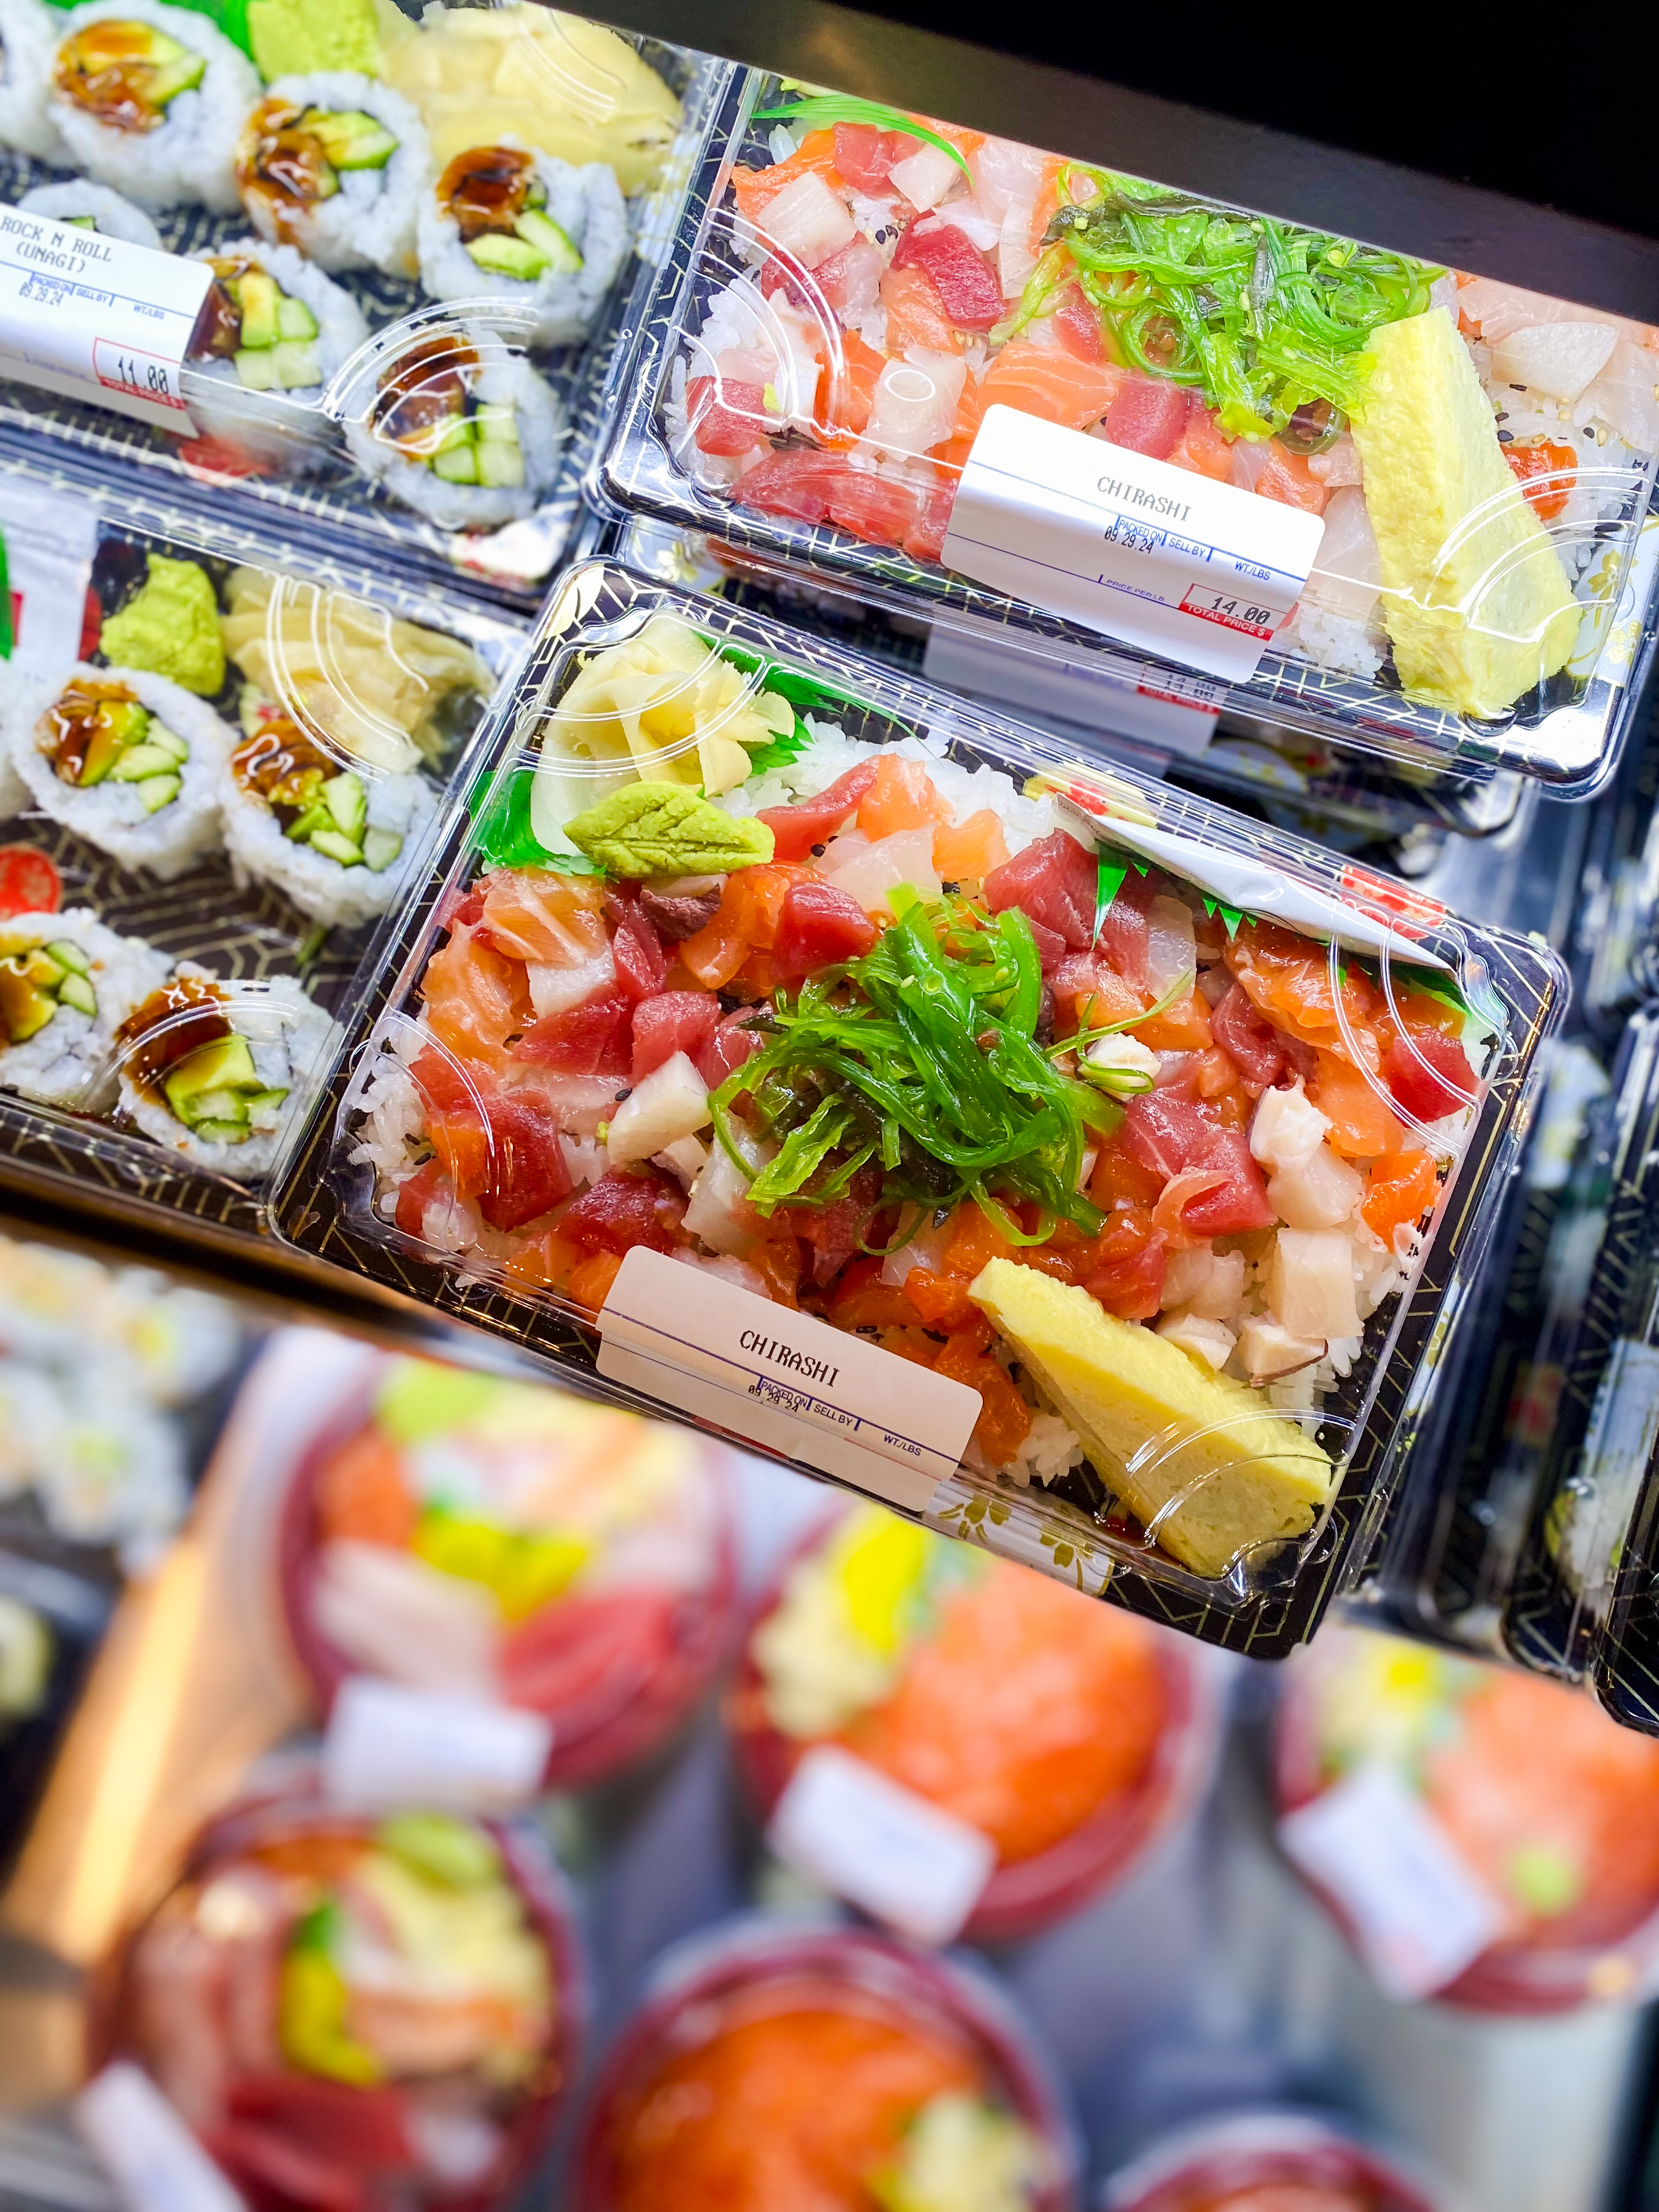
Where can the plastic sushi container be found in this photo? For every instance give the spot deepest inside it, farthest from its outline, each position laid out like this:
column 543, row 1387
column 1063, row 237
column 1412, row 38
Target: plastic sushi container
column 460, row 1534
column 1248, row 2158
column 399, row 245
column 409, row 1999
column 1581, row 1606
column 929, row 2073
column 512, row 1192
column 1474, row 1445
column 1458, row 1867
column 222, row 756
column 883, row 372
column 917, row 1661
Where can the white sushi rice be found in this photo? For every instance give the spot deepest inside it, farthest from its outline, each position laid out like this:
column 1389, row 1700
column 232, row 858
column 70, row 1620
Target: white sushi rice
column 112, row 216
column 503, row 378
column 111, row 815
column 68, row 1063
column 966, row 791
column 290, row 429
column 28, row 33
column 322, row 887
column 190, row 158
column 588, row 205
column 369, row 223
column 289, row 1038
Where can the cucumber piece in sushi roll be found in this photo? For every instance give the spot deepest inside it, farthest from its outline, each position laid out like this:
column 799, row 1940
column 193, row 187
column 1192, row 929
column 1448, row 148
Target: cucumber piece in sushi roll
column 125, row 759
column 458, row 427
column 93, row 207
column 149, row 99
column 215, row 1070
column 66, row 984
column 334, row 164
column 27, row 33
column 509, row 223
column 272, row 332
column 333, row 841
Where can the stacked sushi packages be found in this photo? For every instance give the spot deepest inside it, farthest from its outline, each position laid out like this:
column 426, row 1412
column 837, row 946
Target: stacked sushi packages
column 1167, row 1141
column 352, row 169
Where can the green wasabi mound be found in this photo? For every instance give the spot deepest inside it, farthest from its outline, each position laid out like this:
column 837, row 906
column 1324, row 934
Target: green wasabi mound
column 663, row 829
column 170, row 628
column 302, row 38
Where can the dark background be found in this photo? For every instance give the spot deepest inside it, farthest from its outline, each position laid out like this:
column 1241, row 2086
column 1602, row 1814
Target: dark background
column 1551, row 105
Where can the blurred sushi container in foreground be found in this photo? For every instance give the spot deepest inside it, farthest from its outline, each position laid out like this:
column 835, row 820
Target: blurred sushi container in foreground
column 382, row 259
column 1481, row 1835
column 451, row 1534
column 957, row 1744
column 769, row 2067
column 338, row 2010
column 1267, row 2161
column 1475, row 1447
column 891, row 350
column 1615, row 947
column 105, row 1376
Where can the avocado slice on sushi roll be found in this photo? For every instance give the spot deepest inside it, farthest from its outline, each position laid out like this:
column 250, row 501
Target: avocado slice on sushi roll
column 148, row 99
column 459, row 427
column 331, row 163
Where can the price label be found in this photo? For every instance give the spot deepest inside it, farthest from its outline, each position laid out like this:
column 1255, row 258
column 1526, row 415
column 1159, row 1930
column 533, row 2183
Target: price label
column 784, row 1379
column 879, row 1845
column 1163, row 559
column 50, row 536
column 387, row 1745
column 97, row 319
column 150, row 2155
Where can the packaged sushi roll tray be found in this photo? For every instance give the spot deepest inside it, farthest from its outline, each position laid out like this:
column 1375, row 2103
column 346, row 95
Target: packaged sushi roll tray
column 221, row 756
column 1356, row 494
column 405, row 245
column 626, row 1027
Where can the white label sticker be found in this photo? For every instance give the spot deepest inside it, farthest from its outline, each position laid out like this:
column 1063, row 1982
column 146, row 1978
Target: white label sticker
column 388, row 1745
column 880, row 1846
column 95, row 317
column 1420, row 1914
column 1166, row 559
column 1110, row 696
column 784, row 1379
column 50, row 538
column 1624, row 1427
column 151, row 2156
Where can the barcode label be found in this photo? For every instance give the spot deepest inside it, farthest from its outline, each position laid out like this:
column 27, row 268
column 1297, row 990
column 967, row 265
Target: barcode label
column 95, row 317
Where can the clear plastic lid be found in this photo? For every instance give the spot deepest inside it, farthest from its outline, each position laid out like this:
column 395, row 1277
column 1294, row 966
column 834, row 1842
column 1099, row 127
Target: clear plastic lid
column 1398, row 505
column 218, row 765
column 382, row 259
column 525, row 1101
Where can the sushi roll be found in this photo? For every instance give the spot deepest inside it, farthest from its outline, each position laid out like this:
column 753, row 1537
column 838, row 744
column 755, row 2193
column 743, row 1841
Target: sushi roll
column 215, row 1070
column 149, row 99
column 334, row 842
column 510, row 223
column 93, row 207
column 271, row 325
column 66, row 984
column 334, row 164
column 457, row 426
column 124, row 758
column 27, row 33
